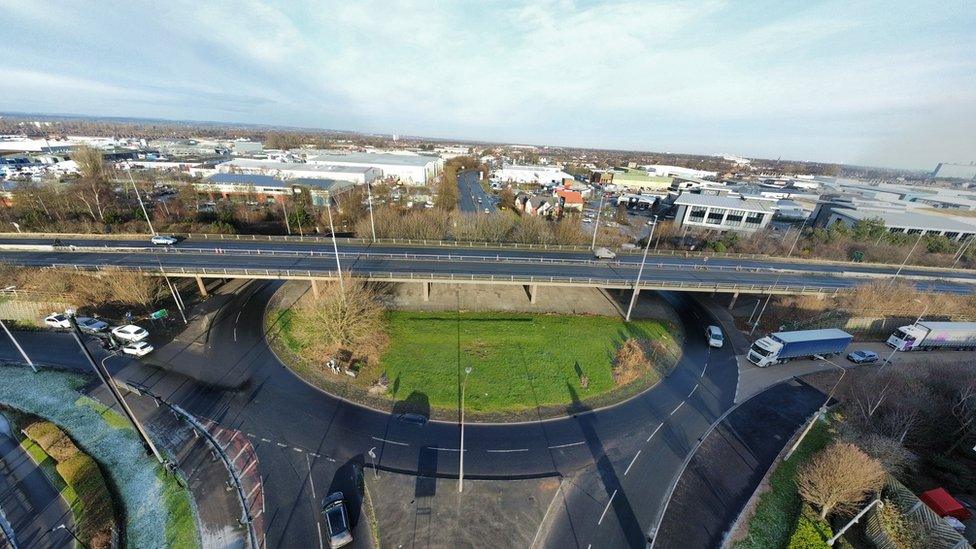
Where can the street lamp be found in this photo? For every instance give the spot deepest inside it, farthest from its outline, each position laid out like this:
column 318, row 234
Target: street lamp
column 335, row 247
column 599, row 211
column 16, row 226
column 139, row 197
column 372, row 458
column 823, row 409
column 70, row 531
column 19, row 348
column 369, row 200
column 633, row 298
column 464, row 385
column 910, row 252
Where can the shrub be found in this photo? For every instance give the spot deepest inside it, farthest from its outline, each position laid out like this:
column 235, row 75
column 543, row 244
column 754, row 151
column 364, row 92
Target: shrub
column 810, row 531
column 630, row 361
column 898, row 527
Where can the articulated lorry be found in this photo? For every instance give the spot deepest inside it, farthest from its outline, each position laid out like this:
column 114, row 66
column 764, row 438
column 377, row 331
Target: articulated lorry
column 925, row 336
column 784, row 346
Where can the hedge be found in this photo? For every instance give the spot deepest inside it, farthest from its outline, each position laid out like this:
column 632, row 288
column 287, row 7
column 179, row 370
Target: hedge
column 810, row 531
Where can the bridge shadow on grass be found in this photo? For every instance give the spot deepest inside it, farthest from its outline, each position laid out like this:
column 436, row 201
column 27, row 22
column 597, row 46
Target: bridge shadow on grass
column 620, row 503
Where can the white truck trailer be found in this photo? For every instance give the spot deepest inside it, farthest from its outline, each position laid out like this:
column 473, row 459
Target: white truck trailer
column 926, row 336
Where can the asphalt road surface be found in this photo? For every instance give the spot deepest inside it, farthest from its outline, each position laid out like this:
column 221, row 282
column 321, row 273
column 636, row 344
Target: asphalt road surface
column 470, row 191
column 387, row 260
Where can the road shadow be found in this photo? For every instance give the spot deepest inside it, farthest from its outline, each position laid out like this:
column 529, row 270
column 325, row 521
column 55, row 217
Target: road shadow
column 414, row 403
column 619, row 502
column 347, row 480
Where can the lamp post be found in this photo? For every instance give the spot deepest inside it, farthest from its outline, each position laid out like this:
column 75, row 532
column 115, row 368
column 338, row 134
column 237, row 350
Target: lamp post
column 70, row 531
column 369, row 201
column 633, row 298
column 599, row 211
column 335, row 247
column 372, row 458
column 464, row 385
column 821, row 412
column 106, row 378
column 19, row 348
column 910, row 252
column 142, row 204
column 16, row 226
column 962, row 250
column 769, row 296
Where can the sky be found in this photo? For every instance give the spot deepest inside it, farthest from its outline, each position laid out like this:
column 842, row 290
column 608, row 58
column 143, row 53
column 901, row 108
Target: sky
column 889, row 83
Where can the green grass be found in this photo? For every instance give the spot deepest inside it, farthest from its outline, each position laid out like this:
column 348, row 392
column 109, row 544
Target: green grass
column 113, row 418
column 779, row 508
column 518, row 361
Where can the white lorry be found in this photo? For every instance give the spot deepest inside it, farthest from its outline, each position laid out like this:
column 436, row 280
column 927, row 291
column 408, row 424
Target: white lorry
column 786, row 346
column 925, row 336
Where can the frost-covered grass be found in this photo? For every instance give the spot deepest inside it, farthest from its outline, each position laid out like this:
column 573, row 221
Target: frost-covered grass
column 159, row 512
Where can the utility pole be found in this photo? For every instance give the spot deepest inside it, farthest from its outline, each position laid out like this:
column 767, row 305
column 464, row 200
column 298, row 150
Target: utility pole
column 139, row 197
column 799, row 233
column 596, row 227
column 335, row 247
column 369, row 200
column 172, row 291
column 633, row 298
column 464, row 385
column 106, row 378
column 19, row 348
column 285, row 211
column 962, row 250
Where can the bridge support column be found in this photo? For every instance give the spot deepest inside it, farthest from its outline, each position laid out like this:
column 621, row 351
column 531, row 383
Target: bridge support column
column 201, row 286
column 315, row 289
column 426, row 290
column 735, row 296
column 633, row 300
column 533, row 291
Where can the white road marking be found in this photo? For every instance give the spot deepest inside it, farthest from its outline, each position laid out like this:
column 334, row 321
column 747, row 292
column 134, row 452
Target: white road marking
column 238, row 319
column 235, row 333
column 297, row 449
column 390, row 441
column 693, row 391
column 311, row 480
column 265, row 440
column 567, row 445
column 607, row 508
column 445, row 449
column 655, row 432
column 319, row 527
column 507, row 451
column 632, row 462
column 676, row 408
column 281, row 444
column 705, row 367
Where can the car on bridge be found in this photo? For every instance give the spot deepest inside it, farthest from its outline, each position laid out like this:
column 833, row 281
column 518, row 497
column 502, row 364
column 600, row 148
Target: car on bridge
column 163, row 240
column 604, row 253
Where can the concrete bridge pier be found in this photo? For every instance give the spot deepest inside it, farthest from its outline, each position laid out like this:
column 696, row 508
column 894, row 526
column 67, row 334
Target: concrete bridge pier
column 315, row 289
column 735, row 296
column 532, row 290
column 426, row 290
column 201, row 286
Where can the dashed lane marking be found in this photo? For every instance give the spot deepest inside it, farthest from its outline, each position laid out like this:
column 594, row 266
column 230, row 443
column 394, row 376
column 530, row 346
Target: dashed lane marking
column 567, row 445
column 632, row 462
column 507, row 451
column 282, row 444
column 693, row 390
column 390, row 441
column 655, row 432
column 676, row 408
column 438, row 449
column 607, row 508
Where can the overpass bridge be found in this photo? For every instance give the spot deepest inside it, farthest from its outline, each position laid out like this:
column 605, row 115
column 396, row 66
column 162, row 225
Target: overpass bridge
column 430, row 262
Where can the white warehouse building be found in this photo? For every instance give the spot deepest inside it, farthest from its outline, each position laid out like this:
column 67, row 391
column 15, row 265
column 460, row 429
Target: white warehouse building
column 541, row 175
column 289, row 170
column 409, row 169
column 722, row 213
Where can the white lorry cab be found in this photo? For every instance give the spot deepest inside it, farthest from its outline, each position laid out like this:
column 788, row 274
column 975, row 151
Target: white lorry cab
column 923, row 336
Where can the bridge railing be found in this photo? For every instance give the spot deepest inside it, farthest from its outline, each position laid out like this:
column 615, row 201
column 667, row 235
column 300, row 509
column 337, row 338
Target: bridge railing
column 308, row 274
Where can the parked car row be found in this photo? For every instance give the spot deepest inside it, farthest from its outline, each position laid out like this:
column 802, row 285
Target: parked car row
column 130, row 335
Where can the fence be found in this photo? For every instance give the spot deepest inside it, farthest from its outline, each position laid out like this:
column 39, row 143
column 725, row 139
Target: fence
column 936, row 531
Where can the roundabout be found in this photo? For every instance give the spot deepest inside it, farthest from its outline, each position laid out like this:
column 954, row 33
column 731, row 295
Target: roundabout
column 625, row 455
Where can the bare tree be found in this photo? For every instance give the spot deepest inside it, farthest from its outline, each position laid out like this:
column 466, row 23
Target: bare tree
column 346, row 316
column 838, row 478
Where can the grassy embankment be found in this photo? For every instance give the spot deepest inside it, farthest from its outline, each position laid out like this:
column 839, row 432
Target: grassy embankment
column 519, row 362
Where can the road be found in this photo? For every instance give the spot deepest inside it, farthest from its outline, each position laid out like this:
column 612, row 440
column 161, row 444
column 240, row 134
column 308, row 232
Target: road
column 307, row 440
column 385, row 261
column 470, row 190
column 28, row 501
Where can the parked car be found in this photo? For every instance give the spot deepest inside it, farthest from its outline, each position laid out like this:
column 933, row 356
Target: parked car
column 337, row 519
column 139, row 348
column 130, row 332
column 713, row 334
column 604, row 253
column 57, row 320
column 863, row 357
column 91, row 325
column 163, row 240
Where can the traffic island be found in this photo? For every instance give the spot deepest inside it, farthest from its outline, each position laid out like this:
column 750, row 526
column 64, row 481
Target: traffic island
column 158, row 509
column 524, row 366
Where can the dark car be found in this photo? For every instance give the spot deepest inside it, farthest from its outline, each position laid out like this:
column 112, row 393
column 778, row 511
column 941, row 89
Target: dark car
column 863, row 357
column 413, row 418
column 337, row 519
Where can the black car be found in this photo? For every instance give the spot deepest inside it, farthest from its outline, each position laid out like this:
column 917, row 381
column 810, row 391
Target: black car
column 337, row 519
column 863, row 357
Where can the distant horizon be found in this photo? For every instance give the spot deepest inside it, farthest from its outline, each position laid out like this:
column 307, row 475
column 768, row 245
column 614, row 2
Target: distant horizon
column 310, row 129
